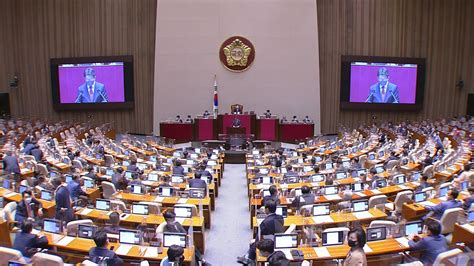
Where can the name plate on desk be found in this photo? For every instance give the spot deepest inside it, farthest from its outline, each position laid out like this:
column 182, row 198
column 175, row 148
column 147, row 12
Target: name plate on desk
column 151, row 252
column 86, row 211
column 123, row 249
column 65, row 241
column 403, row 187
column 159, row 199
column 403, row 241
column 362, row 215
column 322, row 219
column 322, row 252
column 332, row 197
column 376, row 191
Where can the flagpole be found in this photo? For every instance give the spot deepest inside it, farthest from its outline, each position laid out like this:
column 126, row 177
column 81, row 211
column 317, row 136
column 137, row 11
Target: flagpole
column 216, row 99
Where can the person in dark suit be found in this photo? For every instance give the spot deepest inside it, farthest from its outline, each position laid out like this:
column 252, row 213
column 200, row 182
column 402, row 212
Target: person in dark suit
column 289, row 172
column 236, row 123
column 172, row 226
column 119, row 180
column 98, row 148
column 273, row 195
column 306, row 198
column 237, row 110
column 114, row 226
column 25, row 240
column 203, row 171
column 197, row 182
column 470, row 199
column 100, row 253
column 273, row 223
column 451, row 202
column 10, row 163
column 74, row 187
column 431, row 245
column 27, row 206
column 178, row 169
column 64, row 211
column 383, row 91
column 428, row 160
column 37, row 153
column 91, row 91
column 133, row 166
column 27, row 149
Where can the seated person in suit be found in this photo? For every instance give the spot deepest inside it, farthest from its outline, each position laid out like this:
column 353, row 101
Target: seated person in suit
column 470, row 199
column 237, row 110
column 295, row 120
column 37, row 153
column 178, row 119
column 267, row 249
column 289, row 172
column 356, row 239
column 172, row 226
column 114, row 227
column 77, row 156
column 98, row 148
column 119, row 179
column 27, row 206
column 135, row 179
column 428, row 160
column 423, row 183
column 451, row 202
column 43, row 183
column 189, row 119
column 273, row 195
column 74, row 187
column 346, row 204
column 100, row 253
column 306, row 198
column 203, row 171
column 133, row 166
column 267, row 114
column 392, row 157
column 431, row 245
column 306, row 120
column 205, row 114
column 175, row 256
column 178, row 169
column 197, row 182
column 25, row 240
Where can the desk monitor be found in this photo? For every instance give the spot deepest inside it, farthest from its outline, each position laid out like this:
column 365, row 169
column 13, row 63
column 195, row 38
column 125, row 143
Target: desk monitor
column 376, row 233
column 136, row 189
column 86, row 231
column 307, row 168
column 345, row 152
column 341, row 175
column 141, row 209
column 129, row 237
column 355, row 149
column 89, row 183
column 52, row 226
column 125, row 163
column 470, row 216
column 266, row 192
column 283, row 170
column 443, row 191
column 22, row 188
column 415, row 176
column 379, row 169
column 98, row 156
column 371, row 156
column 177, row 179
column 346, row 164
column 286, row 241
column 381, row 154
column 399, row 179
column 357, row 187
column 328, row 166
column 189, row 162
column 292, row 179
column 333, row 238
column 420, row 196
column 183, row 212
column 300, row 161
column 266, row 180
column 317, row 178
column 282, row 210
column 380, row 183
column 193, row 156
column 46, row 195
column 330, row 190
column 2, row 202
column 362, row 171
column 102, row 204
column 255, row 152
column 297, row 192
column 153, row 158
column 166, row 191
column 413, row 228
column 263, row 171
column 318, row 159
column 142, row 166
column 152, row 177
column 360, row 205
column 464, row 185
column 16, row 263
column 128, row 174
column 170, row 239
column 211, row 163
column 109, row 172
column 321, row 209
column 68, row 178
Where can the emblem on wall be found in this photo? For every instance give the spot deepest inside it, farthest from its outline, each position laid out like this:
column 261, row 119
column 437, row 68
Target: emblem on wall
column 237, row 53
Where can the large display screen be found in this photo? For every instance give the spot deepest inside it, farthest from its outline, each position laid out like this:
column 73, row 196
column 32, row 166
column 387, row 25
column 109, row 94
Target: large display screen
column 382, row 83
column 92, row 83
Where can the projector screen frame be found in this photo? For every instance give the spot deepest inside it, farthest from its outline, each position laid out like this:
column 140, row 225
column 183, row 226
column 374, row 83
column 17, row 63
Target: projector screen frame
column 345, row 103
column 129, row 102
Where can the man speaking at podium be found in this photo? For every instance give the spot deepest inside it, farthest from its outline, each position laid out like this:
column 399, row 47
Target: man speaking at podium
column 383, row 91
column 91, row 91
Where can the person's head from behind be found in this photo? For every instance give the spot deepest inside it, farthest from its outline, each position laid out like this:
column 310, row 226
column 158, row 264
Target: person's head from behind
column 197, row 175
column 133, row 161
column 169, row 216
column 273, row 190
column 114, row 218
column 266, row 247
column 289, row 168
column 467, row 167
column 356, row 238
column 177, row 163
column 26, row 226
column 305, row 190
column 433, row 227
column 453, row 194
column 56, row 181
column 120, row 170
column 175, row 254
column 278, row 259
column 76, row 178
column 347, row 195
column 89, row 76
column 270, row 206
column 424, row 178
column 100, row 238
column 382, row 76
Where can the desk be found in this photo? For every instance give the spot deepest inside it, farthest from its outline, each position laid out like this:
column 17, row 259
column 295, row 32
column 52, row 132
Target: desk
column 463, row 233
column 294, row 132
column 180, row 132
column 205, row 128
column 267, row 129
column 132, row 220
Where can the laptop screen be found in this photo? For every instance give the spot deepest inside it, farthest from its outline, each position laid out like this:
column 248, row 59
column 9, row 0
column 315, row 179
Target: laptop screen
column 360, row 205
column 286, row 241
column 152, row 177
column 136, row 189
column 330, row 190
column 371, row 156
column 361, row 172
column 307, row 168
column 376, row 233
column 68, row 178
column 400, row 179
column 183, row 212
column 142, row 166
column 317, row 178
column 89, row 183
column 263, row 171
column 52, row 226
column 443, row 191
column 170, row 239
column 413, row 228
column 266, row 180
column 128, row 174
column 415, row 176
column 341, row 175
column 22, row 188
column 333, row 238
column 282, row 210
column 357, row 187
column 109, row 172
column 177, row 179
column 321, row 209
column 129, row 237
column 328, row 166
column 140, row 209
column 166, row 191
column 102, row 204
column 420, row 196
column 379, row 169
column 46, row 195
column 86, row 231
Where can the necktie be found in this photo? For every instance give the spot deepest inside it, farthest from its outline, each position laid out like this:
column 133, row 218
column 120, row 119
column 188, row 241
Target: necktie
column 91, row 93
column 383, row 93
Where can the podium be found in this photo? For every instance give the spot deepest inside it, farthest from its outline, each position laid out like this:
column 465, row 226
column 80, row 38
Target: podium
column 267, row 128
column 247, row 121
column 236, row 130
column 206, row 128
column 181, row 132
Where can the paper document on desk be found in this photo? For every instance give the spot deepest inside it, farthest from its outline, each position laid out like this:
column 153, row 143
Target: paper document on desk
column 362, row 215
column 315, row 184
column 322, row 219
column 123, row 249
column 9, row 194
column 182, row 201
column 332, row 197
column 151, row 252
column 403, row 241
column 403, row 187
column 361, row 194
column 426, row 203
column 376, row 191
column 86, row 211
column 65, row 241
column 367, row 249
column 287, row 252
column 159, row 199
column 322, row 252
column 468, row 227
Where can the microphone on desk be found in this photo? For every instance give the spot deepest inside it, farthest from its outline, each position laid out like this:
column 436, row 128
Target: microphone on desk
column 370, row 95
column 103, row 97
column 395, row 98
column 78, row 97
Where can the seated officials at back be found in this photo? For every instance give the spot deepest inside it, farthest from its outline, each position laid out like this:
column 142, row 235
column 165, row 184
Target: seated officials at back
column 451, row 202
column 25, row 241
column 101, row 254
column 26, row 207
column 431, row 245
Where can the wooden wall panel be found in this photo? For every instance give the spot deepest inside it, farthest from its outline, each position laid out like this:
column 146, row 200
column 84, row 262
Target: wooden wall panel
column 439, row 30
column 75, row 28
